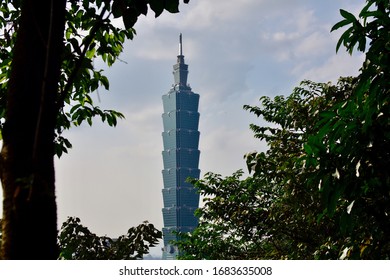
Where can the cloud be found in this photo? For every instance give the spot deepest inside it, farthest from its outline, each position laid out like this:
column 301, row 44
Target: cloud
column 335, row 66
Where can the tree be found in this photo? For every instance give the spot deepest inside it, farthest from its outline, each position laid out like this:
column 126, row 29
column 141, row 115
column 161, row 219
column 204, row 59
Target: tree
column 351, row 150
column 230, row 221
column 271, row 214
column 326, row 166
column 27, row 168
column 46, row 68
column 76, row 242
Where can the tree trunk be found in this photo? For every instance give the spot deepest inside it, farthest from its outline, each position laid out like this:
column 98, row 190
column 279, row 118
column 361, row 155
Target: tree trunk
column 27, row 164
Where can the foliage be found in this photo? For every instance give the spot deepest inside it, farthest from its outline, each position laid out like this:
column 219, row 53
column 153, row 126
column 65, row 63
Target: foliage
column 298, row 207
column 91, row 33
column 230, row 223
column 269, row 215
column 352, row 146
column 325, row 171
column 78, row 243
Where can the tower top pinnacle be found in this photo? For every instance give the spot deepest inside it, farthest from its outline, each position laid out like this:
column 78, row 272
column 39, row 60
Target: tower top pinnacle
column 180, row 68
column 180, row 45
column 180, row 56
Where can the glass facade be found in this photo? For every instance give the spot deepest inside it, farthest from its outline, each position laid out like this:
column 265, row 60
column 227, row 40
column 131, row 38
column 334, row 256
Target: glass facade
column 180, row 157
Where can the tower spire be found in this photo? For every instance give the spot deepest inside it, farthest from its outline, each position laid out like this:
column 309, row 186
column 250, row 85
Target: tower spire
column 180, row 45
column 180, row 68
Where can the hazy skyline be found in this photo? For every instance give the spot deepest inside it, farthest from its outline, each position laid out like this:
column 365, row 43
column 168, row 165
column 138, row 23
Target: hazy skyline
column 237, row 51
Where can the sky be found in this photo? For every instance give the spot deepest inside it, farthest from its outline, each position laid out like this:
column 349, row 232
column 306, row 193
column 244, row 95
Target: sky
column 237, row 51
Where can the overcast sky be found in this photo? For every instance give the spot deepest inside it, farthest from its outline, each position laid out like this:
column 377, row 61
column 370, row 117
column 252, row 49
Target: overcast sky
column 237, row 51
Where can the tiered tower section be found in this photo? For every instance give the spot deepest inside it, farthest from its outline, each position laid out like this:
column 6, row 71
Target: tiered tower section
column 180, row 157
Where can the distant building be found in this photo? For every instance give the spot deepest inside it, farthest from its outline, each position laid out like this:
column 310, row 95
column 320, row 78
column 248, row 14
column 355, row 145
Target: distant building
column 180, row 156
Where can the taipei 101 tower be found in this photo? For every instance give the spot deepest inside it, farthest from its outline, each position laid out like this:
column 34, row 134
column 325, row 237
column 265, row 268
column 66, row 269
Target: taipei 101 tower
column 180, row 157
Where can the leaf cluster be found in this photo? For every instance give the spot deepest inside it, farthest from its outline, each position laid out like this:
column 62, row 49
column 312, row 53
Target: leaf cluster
column 9, row 15
column 91, row 32
column 76, row 242
column 351, row 148
column 281, row 212
column 230, row 220
column 278, row 212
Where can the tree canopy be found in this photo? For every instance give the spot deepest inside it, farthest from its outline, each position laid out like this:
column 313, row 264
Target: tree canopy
column 77, row 242
column 89, row 34
column 322, row 188
column 272, row 214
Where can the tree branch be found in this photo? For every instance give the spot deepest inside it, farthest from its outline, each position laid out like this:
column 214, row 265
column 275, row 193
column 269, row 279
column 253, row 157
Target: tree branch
column 87, row 43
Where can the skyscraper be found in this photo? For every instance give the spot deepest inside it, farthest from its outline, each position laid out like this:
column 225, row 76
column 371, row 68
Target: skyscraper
column 180, row 156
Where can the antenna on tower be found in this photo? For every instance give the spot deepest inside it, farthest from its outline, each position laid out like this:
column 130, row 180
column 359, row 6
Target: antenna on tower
column 180, row 45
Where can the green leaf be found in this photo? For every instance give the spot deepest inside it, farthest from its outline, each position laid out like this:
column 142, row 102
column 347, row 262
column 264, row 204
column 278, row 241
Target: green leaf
column 105, row 82
column 364, row 12
column 328, row 114
column 340, row 24
column 68, row 33
column 172, row 6
column 67, row 143
column 130, row 17
column 90, row 53
column 142, row 6
column 157, row 6
column 75, row 45
column 347, row 15
column 308, row 149
column 118, row 8
column 74, row 108
column 344, row 39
